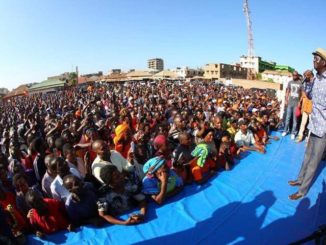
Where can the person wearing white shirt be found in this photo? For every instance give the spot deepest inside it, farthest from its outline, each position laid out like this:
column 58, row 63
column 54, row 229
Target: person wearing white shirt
column 245, row 140
column 58, row 190
column 107, row 157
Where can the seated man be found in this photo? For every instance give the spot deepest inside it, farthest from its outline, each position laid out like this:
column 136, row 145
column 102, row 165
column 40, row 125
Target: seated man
column 160, row 182
column 245, row 140
column 47, row 215
column 118, row 196
column 107, row 157
column 81, row 203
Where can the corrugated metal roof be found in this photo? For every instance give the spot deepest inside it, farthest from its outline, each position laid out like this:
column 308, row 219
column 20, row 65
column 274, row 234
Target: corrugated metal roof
column 51, row 83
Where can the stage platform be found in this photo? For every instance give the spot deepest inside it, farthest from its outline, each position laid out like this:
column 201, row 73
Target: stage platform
column 248, row 205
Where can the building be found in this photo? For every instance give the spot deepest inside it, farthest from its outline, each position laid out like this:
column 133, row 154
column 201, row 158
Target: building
column 166, row 74
column 256, row 63
column 281, row 77
column 21, row 90
column 47, row 86
column 114, row 71
column 156, row 64
column 138, row 75
column 220, row 70
column 284, row 68
column 185, row 72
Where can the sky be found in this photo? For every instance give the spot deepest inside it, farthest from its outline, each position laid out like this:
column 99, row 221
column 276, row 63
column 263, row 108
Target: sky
column 41, row 38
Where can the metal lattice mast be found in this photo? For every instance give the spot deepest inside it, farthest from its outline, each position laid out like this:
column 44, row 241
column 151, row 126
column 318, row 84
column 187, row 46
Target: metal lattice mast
column 249, row 29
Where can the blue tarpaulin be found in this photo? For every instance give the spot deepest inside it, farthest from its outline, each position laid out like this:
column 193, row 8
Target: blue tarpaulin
column 247, row 205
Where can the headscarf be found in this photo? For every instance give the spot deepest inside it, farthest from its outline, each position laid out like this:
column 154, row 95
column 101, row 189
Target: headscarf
column 159, row 141
column 153, row 164
column 201, row 151
column 120, row 131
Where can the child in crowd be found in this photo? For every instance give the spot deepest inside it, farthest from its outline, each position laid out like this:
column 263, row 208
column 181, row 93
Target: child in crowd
column 118, row 196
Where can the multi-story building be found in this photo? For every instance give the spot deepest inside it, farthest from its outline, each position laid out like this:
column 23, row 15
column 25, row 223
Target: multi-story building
column 156, row 64
column 220, row 70
column 256, row 63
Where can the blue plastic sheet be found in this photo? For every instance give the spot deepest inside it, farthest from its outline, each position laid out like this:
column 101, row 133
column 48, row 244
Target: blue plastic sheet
column 248, row 205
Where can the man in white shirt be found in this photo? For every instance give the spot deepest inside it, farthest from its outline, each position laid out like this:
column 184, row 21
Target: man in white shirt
column 245, row 140
column 107, row 157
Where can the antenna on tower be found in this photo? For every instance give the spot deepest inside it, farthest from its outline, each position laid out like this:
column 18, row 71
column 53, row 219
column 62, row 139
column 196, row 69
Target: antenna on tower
column 249, row 29
column 250, row 57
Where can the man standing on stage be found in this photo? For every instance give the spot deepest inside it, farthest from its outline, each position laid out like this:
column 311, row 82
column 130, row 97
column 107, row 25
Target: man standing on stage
column 317, row 126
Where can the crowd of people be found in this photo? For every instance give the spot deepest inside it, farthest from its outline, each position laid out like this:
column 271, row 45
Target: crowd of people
column 86, row 155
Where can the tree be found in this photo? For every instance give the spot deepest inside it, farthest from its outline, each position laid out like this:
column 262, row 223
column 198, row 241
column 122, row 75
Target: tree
column 72, row 79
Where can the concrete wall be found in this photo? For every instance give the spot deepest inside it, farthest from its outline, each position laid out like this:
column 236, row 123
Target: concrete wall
column 255, row 84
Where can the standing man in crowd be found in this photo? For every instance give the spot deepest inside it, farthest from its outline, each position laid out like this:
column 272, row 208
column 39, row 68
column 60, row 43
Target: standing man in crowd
column 306, row 103
column 292, row 99
column 317, row 126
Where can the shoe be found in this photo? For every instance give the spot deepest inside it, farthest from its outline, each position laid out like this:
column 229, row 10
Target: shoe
column 284, row 134
column 299, row 139
column 294, row 183
column 295, row 196
column 292, row 137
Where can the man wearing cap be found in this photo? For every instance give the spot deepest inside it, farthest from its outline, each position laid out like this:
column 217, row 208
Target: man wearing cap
column 292, row 99
column 317, row 126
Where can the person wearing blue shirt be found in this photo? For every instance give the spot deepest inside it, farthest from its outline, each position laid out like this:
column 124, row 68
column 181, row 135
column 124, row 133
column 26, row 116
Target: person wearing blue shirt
column 317, row 126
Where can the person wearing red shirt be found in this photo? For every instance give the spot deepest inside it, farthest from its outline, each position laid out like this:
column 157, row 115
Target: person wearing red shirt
column 8, row 203
column 47, row 215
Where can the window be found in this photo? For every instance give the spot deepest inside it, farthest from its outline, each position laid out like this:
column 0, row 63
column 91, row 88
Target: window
column 222, row 66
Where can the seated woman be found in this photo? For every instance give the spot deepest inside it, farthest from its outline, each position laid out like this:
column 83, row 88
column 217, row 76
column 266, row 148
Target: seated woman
column 118, row 196
column 203, row 165
column 122, row 139
column 47, row 215
column 160, row 182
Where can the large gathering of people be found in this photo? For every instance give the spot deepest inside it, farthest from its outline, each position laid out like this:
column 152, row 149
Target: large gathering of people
column 87, row 154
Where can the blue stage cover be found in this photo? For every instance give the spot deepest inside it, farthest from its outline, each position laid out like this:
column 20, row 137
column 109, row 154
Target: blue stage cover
column 248, row 205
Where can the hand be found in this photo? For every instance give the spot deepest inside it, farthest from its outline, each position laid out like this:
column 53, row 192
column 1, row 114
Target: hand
column 163, row 176
column 130, row 221
column 30, row 213
column 130, row 156
column 40, row 234
column 75, row 197
column 87, row 159
column 71, row 227
column 137, row 217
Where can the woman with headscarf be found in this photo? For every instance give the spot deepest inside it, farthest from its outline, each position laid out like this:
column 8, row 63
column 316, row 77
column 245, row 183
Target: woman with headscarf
column 160, row 181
